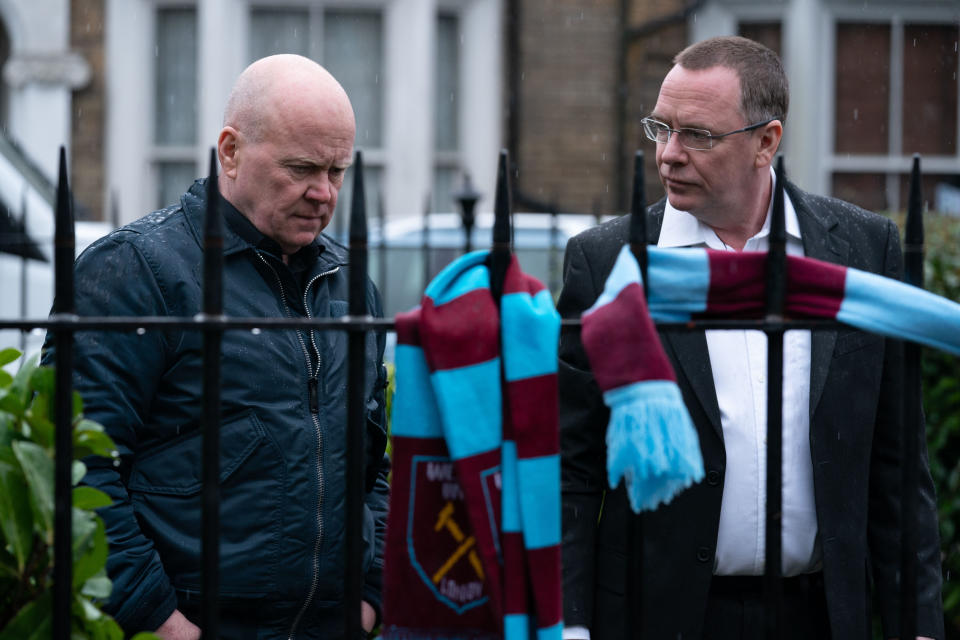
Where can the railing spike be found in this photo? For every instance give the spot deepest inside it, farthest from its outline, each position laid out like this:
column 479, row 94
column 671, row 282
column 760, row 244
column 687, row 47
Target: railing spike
column 912, row 427
column 776, row 269
column 212, row 339
column 500, row 254
column 913, row 229
column 638, row 218
column 63, row 304
column 356, row 406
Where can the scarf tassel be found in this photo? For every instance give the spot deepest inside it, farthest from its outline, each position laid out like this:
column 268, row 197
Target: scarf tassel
column 651, row 443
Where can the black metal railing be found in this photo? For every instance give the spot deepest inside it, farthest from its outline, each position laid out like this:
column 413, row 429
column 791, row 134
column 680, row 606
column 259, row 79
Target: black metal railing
column 64, row 323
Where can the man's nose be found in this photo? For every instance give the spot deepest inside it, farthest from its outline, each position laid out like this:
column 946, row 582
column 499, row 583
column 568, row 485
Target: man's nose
column 672, row 151
column 319, row 188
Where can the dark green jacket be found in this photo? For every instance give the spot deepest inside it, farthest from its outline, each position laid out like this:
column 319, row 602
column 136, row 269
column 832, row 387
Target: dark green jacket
column 282, row 463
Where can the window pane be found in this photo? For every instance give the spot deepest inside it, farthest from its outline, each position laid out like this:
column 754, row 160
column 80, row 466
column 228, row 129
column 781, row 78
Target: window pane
column 930, row 89
column 372, row 183
column 444, row 188
column 863, row 88
column 176, row 75
column 353, row 53
column 766, row 33
column 940, row 192
column 278, row 31
column 173, row 180
column 867, row 190
column 447, row 87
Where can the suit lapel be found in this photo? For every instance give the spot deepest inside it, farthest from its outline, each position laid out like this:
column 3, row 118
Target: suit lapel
column 820, row 240
column 688, row 349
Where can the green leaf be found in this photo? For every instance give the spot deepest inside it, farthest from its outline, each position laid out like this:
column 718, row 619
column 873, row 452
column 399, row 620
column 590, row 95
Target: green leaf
column 89, row 546
column 90, row 439
column 104, row 628
column 90, row 498
column 99, row 586
column 43, row 380
column 77, row 405
column 16, row 519
column 33, row 621
column 77, row 471
column 110, row 630
column 8, row 355
column 11, row 403
column 89, row 610
column 5, row 379
column 145, row 635
column 41, row 427
column 20, row 386
column 38, row 468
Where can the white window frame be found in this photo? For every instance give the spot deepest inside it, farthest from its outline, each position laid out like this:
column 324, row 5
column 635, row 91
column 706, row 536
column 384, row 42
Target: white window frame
column 808, row 32
column 896, row 162
column 407, row 154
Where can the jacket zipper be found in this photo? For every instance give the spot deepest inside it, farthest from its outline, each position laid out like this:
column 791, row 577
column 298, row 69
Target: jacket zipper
column 313, row 391
column 313, row 384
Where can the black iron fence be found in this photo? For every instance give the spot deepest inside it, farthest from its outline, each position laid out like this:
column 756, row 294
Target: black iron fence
column 63, row 323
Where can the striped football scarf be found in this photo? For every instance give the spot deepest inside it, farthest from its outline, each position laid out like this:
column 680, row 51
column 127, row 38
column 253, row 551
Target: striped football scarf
column 473, row 537
column 651, row 443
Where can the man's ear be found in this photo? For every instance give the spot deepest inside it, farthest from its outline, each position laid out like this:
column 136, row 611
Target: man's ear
column 227, row 148
column 770, row 136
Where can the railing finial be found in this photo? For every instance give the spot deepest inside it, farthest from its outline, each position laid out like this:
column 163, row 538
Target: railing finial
column 500, row 254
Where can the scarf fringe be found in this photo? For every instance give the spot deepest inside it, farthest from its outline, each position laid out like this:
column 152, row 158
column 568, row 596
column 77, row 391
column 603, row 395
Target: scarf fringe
column 651, row 443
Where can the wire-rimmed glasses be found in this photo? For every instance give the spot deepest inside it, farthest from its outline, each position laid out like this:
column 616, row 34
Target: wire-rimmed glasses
column 696, row 139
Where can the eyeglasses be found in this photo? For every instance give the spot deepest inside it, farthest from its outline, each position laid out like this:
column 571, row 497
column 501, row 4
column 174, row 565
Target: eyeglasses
column 696, row 139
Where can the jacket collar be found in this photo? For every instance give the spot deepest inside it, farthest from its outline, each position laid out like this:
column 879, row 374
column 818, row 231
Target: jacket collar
column 240, row 235
column 819, row 226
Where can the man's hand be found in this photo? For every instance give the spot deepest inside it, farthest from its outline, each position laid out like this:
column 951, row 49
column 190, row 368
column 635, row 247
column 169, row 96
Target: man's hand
column 177, row 627
column 368, row 616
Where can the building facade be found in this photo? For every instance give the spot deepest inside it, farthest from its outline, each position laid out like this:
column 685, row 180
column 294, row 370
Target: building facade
column 135, row 89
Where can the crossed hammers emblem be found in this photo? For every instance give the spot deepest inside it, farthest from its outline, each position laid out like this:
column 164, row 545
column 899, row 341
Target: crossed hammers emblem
column 467, row 544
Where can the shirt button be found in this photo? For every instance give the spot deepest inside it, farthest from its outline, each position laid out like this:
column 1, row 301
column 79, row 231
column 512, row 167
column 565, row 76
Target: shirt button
column 713, row 477
column 703, row 554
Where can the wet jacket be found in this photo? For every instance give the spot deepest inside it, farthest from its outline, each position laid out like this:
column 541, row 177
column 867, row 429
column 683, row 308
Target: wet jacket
column 282, row 432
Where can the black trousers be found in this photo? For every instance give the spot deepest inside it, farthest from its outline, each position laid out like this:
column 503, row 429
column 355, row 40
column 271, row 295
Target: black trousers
column 735, row 609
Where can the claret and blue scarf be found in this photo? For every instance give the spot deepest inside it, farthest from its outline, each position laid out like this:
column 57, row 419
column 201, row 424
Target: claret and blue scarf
column 650, row 441
column 473, row 537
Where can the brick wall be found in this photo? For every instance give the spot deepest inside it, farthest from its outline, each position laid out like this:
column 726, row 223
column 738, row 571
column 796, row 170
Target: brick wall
column 87, row 162
column 649, row 59
column 568, row 130
column 567, row 65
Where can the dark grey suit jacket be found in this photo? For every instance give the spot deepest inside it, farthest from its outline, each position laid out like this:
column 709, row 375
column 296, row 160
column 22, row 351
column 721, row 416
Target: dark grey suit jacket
column 855, row 418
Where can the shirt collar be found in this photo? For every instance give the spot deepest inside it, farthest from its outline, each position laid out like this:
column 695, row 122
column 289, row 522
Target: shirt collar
column 682, row 229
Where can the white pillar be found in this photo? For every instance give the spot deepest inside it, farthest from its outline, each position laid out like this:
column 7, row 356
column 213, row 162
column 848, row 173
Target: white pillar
column 709, row 21
column 129, row 107
column 803, row 58
column 480, row 106
column 218, row 68
column 410, row 28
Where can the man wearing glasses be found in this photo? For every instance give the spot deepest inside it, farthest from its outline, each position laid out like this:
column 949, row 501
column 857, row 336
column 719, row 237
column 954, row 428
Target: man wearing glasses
column 717, row 124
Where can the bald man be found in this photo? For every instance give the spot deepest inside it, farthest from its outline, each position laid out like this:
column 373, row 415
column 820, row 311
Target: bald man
column 286, row 142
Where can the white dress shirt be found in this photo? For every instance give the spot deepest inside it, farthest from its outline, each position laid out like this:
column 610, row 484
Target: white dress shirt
column 738, row 360
column 739, row 363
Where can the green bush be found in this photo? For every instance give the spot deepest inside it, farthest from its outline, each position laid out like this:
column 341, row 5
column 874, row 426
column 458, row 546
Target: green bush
column 941, row 393
column 27, row 508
